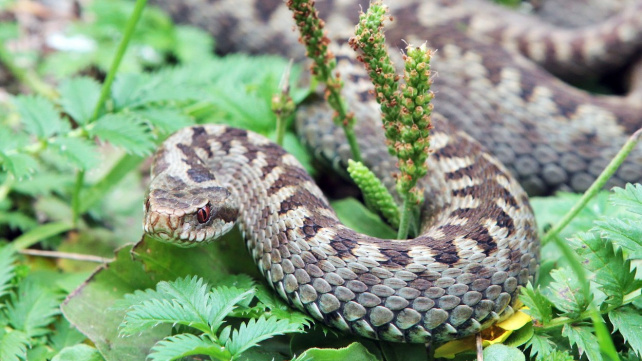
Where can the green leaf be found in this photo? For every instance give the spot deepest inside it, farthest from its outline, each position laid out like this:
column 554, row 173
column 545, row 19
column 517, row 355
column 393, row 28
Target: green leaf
column 17, row 220
column 64, row 335
column 33, row 308
column 78, row 97
column 540, row 346
column 182, row 345
column 354, row 352
column 21, row 165
column 629, row 197
column 612, row 270
column 256, row 330
column 558, row 355
column 39, row 116
column 80, row 352
column 356, row 216
column 79, row 151
column 13, row 345
column 271, row 300
column 499, row 352
column 540, row 307
column 628, row 322
column 184, row 301
column 125, row 131
column 224, row 301
column 566, row 292
column 7, row 267
column 193, row 44
column 584, row 339
column 625, row 233
column 167, row 120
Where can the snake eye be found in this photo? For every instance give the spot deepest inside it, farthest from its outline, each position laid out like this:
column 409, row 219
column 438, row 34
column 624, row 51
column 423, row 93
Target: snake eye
column 203, row 214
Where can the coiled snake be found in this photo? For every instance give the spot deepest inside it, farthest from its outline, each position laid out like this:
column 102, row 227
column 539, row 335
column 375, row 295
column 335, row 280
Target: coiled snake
column 478, row 241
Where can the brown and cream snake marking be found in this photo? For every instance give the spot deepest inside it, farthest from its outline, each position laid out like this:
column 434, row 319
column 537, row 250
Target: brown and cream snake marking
column 479, row 242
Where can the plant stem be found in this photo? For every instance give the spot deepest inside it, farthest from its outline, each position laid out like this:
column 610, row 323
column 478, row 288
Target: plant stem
column 406, row 215
column 597, row 185
column 120, row 52
column 25, row 76
column 75, row 197
column 104, row 94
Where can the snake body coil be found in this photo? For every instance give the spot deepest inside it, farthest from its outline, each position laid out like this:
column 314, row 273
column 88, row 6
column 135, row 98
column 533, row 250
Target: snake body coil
column 478, row 243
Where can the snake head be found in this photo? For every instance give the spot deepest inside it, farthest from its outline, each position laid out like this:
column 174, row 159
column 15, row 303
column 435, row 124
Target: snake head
column 189, row 217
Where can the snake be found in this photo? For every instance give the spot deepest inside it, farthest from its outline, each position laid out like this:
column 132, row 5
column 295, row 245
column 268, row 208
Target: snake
column 504, row 126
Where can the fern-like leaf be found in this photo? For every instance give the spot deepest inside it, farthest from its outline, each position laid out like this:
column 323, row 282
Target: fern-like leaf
column 224, row 301
column 126, row 131
column 566, row 292
column 584, row 339
column 624, row 233
column 540, row 345
column 39, row 116
column 612, row 270
column 21, row 165
column 78, row 96
column 628, row 322
column 13, row 345
column 7, row 267
column 79, row 151
column 178, row 346
column 33, row 308
column 630, row 197
column 540, row 307
column 256, row 330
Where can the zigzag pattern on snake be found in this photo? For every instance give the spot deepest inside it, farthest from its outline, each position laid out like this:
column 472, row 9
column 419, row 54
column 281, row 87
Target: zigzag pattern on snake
column 478, row 243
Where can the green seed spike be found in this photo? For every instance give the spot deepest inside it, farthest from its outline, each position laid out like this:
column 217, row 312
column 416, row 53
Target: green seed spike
column 377, row 197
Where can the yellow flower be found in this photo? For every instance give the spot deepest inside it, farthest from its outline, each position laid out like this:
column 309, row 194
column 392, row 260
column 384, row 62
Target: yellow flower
column 497, row 333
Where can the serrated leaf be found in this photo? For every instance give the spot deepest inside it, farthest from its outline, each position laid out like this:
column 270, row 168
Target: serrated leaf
column 184, row 301
column 21, row 165
column 566, row 291
column 630, row 197
column 584, row 339
column 78, row 97
column 125, row 87
column 7, row 267
column 10, row 140
column 167, row 120
column 33, row 308
column 17, row 220
column 540, row 307
column 612, row 270
column 39, row 116
column 80, row 152
column 279, row 308
column 13, row 346
column 540, row 346
column 124, row 131
column 628, row 322
column 622, row 232
column 256, row 330
column 224, row 301
column 178, row 346
column 43, row 183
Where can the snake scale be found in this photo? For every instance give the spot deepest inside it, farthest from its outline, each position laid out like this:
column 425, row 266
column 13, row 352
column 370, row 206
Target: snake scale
column 478, row 243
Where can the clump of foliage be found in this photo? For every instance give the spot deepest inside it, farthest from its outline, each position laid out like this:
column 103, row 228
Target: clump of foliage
column 192, row 302
column 607, row 253
column 30, row 324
